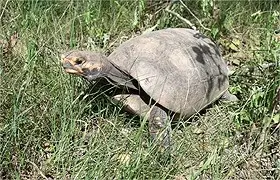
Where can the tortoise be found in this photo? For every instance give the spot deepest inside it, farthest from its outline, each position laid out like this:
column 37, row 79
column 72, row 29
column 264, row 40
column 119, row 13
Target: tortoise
column 174, row 72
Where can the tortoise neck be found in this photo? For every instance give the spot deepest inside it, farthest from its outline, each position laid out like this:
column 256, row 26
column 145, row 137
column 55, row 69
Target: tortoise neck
column 116, row 76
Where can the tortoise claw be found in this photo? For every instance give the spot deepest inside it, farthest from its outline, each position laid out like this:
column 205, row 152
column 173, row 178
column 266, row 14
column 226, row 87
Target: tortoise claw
column 228, row 97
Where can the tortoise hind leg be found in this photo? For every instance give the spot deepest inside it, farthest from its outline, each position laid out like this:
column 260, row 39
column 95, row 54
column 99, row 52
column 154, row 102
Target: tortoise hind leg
column 159, row 127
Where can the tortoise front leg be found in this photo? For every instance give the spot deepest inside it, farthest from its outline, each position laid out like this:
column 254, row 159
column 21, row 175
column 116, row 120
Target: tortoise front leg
column 159, row 127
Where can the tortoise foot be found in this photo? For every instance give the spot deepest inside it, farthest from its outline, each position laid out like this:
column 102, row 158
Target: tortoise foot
column 159, row 128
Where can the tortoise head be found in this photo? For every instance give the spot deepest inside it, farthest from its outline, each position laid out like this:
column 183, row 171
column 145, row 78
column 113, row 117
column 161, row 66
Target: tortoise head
column 89, row 65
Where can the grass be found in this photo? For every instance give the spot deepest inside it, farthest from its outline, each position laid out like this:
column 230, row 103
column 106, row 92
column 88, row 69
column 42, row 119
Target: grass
column 51, row 127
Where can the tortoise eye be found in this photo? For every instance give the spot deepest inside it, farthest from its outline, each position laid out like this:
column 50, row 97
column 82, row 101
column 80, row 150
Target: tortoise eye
column 79, row 61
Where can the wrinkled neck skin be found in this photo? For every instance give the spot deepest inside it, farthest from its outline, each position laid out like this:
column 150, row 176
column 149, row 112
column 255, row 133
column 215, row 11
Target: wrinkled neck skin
column 116, row 76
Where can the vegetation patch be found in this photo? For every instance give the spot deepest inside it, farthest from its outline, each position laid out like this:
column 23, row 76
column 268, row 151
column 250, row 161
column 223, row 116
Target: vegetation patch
column 55, row 126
